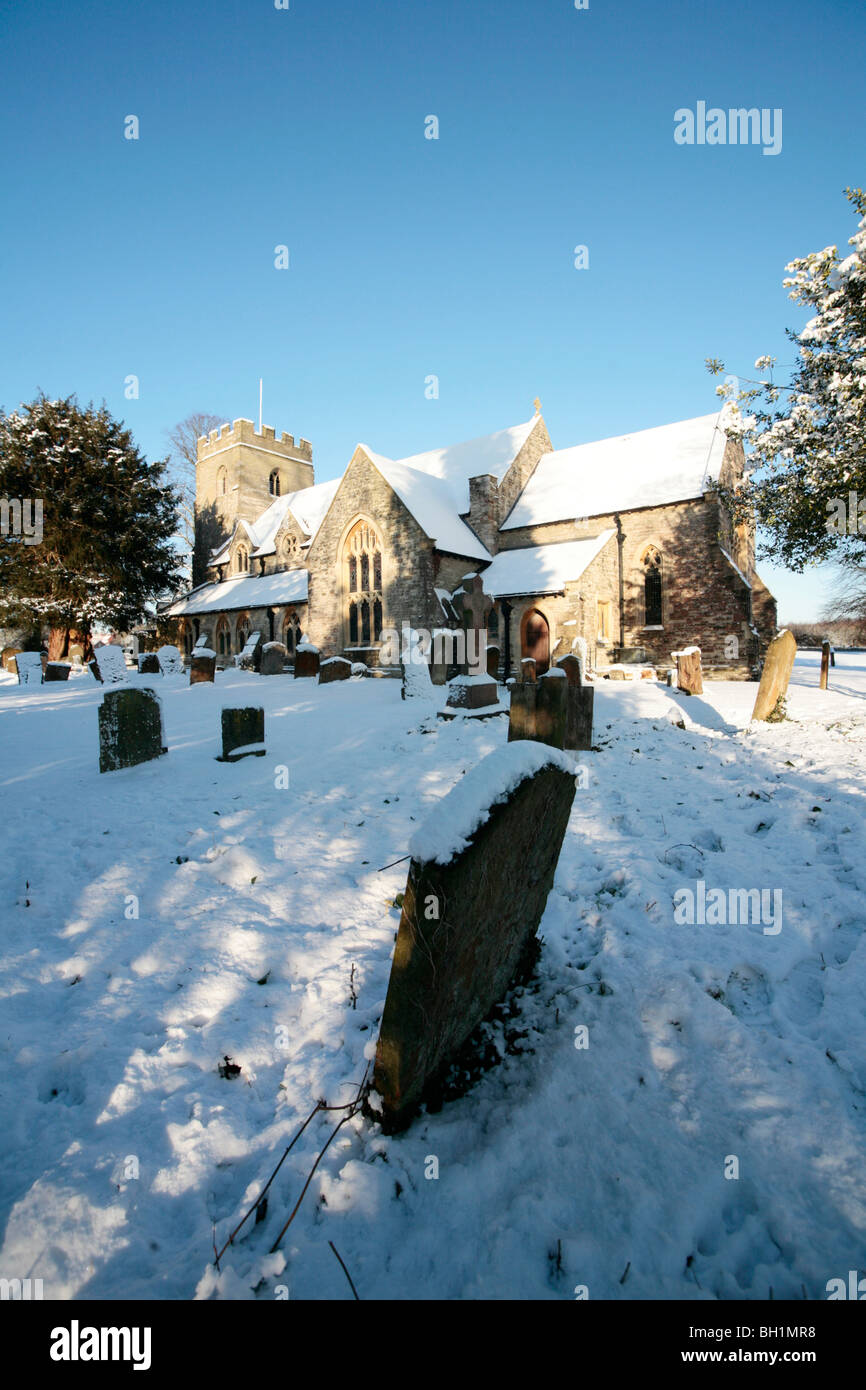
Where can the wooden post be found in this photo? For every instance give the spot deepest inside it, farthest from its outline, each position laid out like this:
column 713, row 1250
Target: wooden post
column 825, row 665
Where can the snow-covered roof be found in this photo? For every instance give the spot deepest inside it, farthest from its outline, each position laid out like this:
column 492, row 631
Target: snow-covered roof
column 542, row 569
column 244, row 591
column 430, row 501
column 670, row 463
column 456, row 464
column 308, row 506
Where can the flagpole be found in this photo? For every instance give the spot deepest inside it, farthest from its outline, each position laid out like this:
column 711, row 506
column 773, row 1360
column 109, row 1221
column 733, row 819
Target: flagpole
column 260, row 405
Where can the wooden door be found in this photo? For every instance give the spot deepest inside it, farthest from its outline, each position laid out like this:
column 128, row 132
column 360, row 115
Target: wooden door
column 536, row 640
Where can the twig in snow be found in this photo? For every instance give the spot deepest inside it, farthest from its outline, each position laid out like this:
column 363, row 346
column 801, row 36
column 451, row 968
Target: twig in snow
column 396, row 861
column 344, row 1269
column 625, row 1273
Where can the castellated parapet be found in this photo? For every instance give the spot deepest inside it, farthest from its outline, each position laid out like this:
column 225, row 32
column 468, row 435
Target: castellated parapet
column 235, row 467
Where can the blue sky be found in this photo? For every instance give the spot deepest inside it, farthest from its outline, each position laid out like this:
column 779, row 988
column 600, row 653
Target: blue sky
column 411, row 257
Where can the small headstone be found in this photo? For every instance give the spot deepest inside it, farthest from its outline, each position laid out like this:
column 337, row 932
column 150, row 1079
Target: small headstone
column 825, row 665
column 202, row 666
column 251, row 657
column 778, row 665
column 110, row 664
column 472, row 692
column 203, row 640
column 243, row 734
column 493, row 661
column 306, row 660
column 527, row 669
column 578, row 724
column 571, row 666
column 170, row 661
column 29, row 668
column 76, row 653
column 148, row 664
column 482, row 868
column 539, row 710
column 130, row 728
column 8, row 659
column 415, row 673
column 57, row 671
column 273, row 659
column 336, row 668
column 689, row 674
column 359, row 670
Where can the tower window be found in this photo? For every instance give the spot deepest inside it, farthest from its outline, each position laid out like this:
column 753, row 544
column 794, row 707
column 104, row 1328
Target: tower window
column 274, row 483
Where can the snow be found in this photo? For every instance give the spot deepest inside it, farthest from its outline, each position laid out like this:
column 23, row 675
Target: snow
column 112, row 664
column 123, row 1148
column 542, row 569
column 243, row 591
column 308, row 506
column 430, row 501
column 670, row 463
column 457, row 463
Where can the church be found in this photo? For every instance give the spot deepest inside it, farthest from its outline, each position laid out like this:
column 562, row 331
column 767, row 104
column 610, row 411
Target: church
column 623, row 544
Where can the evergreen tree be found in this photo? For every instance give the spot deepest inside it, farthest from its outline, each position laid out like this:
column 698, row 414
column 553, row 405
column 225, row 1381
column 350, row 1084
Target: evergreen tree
column 107, row 522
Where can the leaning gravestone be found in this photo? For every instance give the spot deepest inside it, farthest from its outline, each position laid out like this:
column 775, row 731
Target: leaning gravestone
column 306, row 660
column 689, row 674
column 778, row 665
column 336, row 668
column 243, row 734
column 273, row 659
column 148, row 664
column 29, row 668
column 57, row 671
column 110, row 664
column 482, row 868
column 170, row 661
column 130, row 728
column 251, row 657
column 202, row 666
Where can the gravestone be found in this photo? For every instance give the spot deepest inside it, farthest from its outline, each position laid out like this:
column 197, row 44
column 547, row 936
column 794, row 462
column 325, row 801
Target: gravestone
column 825, row 665
column 110, row 664
column 250, row 659
column 202, row 666
column 8, row 659
column 306, row 660
column 170, row 661
column 527, row 669
column 473, row 692
column 778, row 665
column 571, row 666
column 442, row 654
column 473, row 607
column 130, row 728
column 493, row 661
column 336, row 668
column 539, row 710
column 414, row 671
column 203, row 640
column 29, row 668
column 148, row 664
column 243, row 734
column 689, row 674
column 57, row 671
column 482, row 867
column 579, row 704
column 273, row 659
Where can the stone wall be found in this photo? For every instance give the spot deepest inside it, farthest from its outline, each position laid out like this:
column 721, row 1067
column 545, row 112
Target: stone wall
column 249, row 458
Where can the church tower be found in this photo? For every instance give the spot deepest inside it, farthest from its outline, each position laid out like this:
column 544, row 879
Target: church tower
column 239, row 472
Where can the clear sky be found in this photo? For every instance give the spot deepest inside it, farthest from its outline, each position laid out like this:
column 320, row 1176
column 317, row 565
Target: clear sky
column 411, row 257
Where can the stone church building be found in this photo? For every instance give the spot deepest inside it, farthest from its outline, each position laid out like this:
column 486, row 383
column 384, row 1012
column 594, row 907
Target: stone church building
column 624, row 542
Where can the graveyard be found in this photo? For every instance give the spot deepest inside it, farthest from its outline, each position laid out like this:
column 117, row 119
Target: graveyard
column 197, row 949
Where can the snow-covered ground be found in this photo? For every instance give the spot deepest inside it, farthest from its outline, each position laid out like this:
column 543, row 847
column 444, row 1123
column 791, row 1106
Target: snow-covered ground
column 261, row 912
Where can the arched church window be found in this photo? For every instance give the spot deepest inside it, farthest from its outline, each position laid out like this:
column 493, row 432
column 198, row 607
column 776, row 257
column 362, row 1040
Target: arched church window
column 274, row 483
column 223, row 637
column 652, row 584
column 242, row 559
column 221, row 482
column 242, row 631
column 493, row 625
column 291, row 632
column 362, row 579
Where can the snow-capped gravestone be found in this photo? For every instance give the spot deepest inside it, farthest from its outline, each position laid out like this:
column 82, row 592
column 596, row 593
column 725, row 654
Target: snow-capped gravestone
column 778, row 665
column 482, row 867
column 250, row 658
column 202, row 666
column 527, row 669
column 539, row 710
column 29, row 668
column 109, row 664
column 57, row 671
column 336, row 668
column 148, row 664
column 415, row 673
column 306, row 660
column 579, row 700
column 170, row 661
column 7, row 659
column 273, row 660
column 689, row 674
column 243, row 734
column 130, row 728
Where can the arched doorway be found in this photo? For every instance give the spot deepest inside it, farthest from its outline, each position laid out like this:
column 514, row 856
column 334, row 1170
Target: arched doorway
column 536, row 640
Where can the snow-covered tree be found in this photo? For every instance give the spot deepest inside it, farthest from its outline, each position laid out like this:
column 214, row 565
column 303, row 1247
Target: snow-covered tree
column 103, row 547
column 806, row 439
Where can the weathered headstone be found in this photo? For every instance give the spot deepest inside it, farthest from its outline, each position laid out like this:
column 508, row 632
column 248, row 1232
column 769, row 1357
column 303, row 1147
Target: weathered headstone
column 306, row 660
column 493, row 661
column 336, row 668
column 825, row 665
column 527, row 669
column 130, row 728
column 202, row 666
column 203, row 640
column 471, row 693
column 7, row 658
column 148, row 664
column 414, row 671
column 273, row 659
column 570, row 664
column 539, row 710
column 57, row 671
column 29, row 668
column 243, row 734
column 110, row 664
column 482, row 867
column 689, row 674
column 251, row 657
column 170, row 661
column 778, row 665
column 473, row 607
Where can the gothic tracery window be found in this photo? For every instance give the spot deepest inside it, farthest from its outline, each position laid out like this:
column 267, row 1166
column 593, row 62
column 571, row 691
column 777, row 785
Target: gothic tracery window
column 362, row 577
column 274, row 483
column 223, row 637
column 242, row 559
column 652, row 567
column 242, row 631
